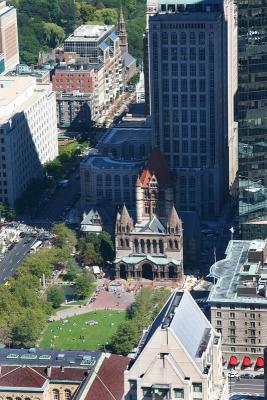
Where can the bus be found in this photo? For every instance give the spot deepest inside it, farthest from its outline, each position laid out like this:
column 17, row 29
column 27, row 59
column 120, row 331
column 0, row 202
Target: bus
column 35, row 246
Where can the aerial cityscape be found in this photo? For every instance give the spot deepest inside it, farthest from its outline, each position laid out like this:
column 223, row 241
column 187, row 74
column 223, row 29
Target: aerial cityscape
column 133, row 200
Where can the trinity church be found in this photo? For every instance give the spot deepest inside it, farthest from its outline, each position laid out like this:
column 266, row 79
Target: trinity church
column 149, row 242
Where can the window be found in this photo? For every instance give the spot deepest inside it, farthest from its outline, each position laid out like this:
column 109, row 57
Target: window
column 232, row 323
column 252, row 316
column 133, row 385
column 183, row 85
column 202, row 85
column 232, row 340
column 67, row 393
column 179, row 393
column 183, row 100
column 202, row 69
column 252, row 324
column 197, row 387
column 55, row 393
column 193, row 85
column 183, row 69
column 147, row 392
column 193, row 100
column 232, row 315
column 232, row 331
column 175, row 85
column 193, row 70
column 219, row 322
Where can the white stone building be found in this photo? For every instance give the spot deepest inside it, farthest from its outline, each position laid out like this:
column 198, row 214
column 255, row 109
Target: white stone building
column 178, row 357
column 9, row 44
column 28, row 133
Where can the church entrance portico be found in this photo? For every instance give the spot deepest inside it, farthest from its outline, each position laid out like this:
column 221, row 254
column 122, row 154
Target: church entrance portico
column 147, row 271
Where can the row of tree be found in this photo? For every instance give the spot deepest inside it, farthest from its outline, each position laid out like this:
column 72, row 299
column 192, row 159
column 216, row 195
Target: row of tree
column 24, row 306
column 43, row 24
column 147, row 305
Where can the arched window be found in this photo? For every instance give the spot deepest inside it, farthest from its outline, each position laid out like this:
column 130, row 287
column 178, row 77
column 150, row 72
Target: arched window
column 161, row 248
column 136, row 245
column 148, row 245
column 108, row 180
column 170, row 244
column 117, row 180
column 55, row 393
column 18, row 398
column 176, row 244
column 67, row 393
column 99, row 180
column 154, row 246
column 126, row 181
column 127, row 242
column 121, row 241
column 142, row 246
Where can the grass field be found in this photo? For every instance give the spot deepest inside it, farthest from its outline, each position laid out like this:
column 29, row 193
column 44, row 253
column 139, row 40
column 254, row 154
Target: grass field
column 69, row 335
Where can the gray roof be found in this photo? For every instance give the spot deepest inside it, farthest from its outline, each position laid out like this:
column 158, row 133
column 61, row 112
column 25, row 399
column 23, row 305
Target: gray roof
column 128, row 59
column 190, row 325
column 43, row 357
column 101, row 162
column 187, row 322
column 122, row 135
column 154, row 225
column 87, row 220
column 227, row 273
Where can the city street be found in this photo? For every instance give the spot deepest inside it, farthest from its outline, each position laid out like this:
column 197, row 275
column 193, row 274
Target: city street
column 238, row 389
column 15, row 256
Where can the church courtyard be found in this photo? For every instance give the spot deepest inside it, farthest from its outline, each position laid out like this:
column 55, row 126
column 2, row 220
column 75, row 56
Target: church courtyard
column 90, row 331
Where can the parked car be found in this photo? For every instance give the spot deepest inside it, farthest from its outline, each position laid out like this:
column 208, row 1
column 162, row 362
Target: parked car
column 247, row 376
column 233, row 374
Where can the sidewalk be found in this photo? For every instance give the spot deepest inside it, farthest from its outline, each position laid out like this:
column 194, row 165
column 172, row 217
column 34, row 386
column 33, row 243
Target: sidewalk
column 105, row 300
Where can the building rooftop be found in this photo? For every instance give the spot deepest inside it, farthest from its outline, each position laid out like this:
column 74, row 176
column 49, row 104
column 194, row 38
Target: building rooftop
column 118, row 135
column 4, row 8
column 241, row 276
column 90, row 33
column 39, row 357
column 100, row 162
column 11, row 87
column 181, row 315
column 154, row 258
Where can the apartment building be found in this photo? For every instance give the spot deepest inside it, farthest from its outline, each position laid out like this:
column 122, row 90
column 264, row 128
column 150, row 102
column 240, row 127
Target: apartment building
column 99, row 47
column 9, row 44
column 178, row 357
column 28, row 133
column 192, row 48
column 239, row 303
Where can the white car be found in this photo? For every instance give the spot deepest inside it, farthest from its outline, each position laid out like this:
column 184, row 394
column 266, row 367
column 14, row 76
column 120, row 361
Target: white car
column 233, row 374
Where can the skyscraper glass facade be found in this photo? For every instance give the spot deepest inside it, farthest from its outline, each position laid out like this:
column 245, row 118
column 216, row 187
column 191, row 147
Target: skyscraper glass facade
column 252, row 117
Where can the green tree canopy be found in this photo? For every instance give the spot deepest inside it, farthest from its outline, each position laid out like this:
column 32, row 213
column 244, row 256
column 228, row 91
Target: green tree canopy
column 55, row 295
column 65, row 237
column 83, row 284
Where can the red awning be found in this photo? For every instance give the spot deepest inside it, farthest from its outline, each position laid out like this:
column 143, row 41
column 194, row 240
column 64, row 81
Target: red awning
column 233, row 361
column 260, row 362
column 246, row 362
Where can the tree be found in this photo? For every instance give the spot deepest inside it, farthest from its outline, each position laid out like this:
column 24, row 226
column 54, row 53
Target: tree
column 106, row 247
column 55, row 296
column 28, row 327
column 126, row 338
column 90, row 255
column 54, row 34
column 65, row 237
column 84, row 284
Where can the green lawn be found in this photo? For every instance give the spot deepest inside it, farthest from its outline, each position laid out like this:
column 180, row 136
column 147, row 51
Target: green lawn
column 67, row 335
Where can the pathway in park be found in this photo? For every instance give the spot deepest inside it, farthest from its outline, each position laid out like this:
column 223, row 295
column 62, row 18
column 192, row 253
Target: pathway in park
column 104, row 300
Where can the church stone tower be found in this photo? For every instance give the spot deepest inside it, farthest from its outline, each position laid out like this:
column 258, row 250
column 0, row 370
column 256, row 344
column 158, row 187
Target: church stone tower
column 122, row 33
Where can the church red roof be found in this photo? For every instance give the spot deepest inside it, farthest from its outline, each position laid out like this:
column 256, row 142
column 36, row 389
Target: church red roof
column 156, row 165
column 109, row 382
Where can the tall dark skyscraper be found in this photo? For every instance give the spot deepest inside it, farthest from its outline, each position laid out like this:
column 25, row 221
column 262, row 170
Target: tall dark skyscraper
column 193, row 82
column 252, row 118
